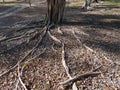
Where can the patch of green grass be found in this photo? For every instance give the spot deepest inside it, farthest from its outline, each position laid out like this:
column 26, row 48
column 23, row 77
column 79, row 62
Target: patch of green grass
column 9, row 5
column 7, row 0
column 112, row 2
column 116, row 1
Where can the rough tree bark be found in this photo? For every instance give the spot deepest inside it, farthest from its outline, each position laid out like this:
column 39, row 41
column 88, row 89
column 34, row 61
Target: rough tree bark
column 55, row 10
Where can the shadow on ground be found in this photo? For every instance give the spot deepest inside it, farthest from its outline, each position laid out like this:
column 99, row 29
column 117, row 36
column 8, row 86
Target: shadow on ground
column 112, row 47
column 78, row 17
column 75, row 16
column 108, row 22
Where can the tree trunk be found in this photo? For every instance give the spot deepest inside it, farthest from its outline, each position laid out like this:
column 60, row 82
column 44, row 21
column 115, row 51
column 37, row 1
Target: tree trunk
column 3, row 1
column 55, row 9
column 88, row 3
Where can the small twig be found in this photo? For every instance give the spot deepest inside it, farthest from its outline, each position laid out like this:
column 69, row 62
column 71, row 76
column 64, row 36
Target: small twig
column 97, row 68
column 74, row 87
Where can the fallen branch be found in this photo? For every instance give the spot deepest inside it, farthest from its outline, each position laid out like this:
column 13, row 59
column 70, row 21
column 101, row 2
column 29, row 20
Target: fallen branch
column 74, row 87
column 80, row 77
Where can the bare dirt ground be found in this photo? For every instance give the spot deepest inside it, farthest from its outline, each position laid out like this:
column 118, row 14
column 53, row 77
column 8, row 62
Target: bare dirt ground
column 91, row 38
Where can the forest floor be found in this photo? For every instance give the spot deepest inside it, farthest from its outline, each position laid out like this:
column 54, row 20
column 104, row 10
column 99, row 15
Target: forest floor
column 90, row 40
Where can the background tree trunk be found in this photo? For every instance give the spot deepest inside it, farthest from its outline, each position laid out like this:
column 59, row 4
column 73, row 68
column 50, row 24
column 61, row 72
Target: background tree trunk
column 55, row 9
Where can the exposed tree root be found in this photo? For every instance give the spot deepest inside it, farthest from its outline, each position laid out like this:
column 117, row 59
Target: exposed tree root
column 37, row 56
column 24, row 35
column 19, row 77
column 7, row 71
column 8, row 38
column 29, row 53
column 19, row 37
column 11, row 48
column 16, row 36
column 53, row 47
column 15, row 46
column 59, row 30
column 18, row 26
column 71, row 80
column 74, row 86
column 83, row 45
column 22, row 68
column 54, row 38
column 93, row 51
column 16, row 86
column 44, row 32
column 40, row 36
column 27, row 27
